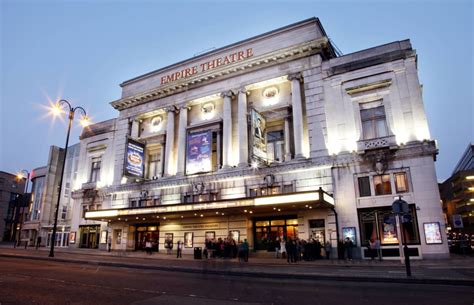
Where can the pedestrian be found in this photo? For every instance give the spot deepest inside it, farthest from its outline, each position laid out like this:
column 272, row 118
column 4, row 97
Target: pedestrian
column 179, row 249
column 276, row 245
column 371, row 248
column 290, row 251
column 245, row 248
column 38, row 242
column 348, row 247
column 109, row 244
column 377, row 249
column 283, row 248
column 148, row 247
column 327, row 249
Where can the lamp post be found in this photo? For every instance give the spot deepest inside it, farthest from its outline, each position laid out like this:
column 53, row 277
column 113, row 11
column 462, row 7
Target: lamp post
column 57, row 110
column 400, row 208
column 23, row 174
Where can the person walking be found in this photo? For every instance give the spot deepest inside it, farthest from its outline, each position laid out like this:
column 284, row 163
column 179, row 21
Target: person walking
column 148, row 247
column 371, row 249
column 179, row 249
column 283, row 248
column 38, row 242
column 277, row 247
column 327, row 249
column 377, row 249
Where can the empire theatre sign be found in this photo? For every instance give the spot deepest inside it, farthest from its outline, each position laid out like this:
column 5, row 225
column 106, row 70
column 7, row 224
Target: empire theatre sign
column 207, row 66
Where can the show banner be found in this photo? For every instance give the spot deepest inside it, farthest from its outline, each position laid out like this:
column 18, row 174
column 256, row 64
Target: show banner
column 134, row 159
column 199, row 152
column 259, row 146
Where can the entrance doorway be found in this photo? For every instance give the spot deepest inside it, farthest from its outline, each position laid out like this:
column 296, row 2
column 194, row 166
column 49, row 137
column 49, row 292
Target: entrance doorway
column 146, row 233
column 90, row 237
column 268, row 230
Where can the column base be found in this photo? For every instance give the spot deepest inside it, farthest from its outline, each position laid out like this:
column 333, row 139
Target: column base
column 243, row 165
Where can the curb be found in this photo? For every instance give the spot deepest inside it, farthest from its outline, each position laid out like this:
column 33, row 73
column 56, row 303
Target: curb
column 318, row 277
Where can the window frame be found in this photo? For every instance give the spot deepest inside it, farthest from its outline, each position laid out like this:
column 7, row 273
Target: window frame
column 373, row 118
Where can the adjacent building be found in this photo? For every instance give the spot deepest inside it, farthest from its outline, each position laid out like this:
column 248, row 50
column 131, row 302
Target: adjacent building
column 273, row 137
column 457, row 194
column 38, row 224
column 11, row 189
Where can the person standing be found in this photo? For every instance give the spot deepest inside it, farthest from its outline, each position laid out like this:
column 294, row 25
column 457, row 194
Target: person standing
column 277, row 247
column 148, row 247
column 109, row 244
column 327, row 249
column 38, row 242
column 283, row 248
column 348, row 245
column 378, row 250
column 179, row 249
column 371, row 249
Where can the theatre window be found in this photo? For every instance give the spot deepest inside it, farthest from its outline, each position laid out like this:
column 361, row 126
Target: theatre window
column 374, row 123
column 154, row 161
column 95, row 169
column 380, row 223
column 383, row 184
column 268, row 230
column 275, row 145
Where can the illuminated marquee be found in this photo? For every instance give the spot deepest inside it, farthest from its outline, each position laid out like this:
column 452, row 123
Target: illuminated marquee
column 208, row 65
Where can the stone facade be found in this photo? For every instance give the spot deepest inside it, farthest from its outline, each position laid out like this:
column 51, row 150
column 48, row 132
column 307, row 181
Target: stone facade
column 302, row 143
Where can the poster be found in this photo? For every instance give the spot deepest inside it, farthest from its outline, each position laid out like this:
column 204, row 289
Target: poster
column 168, row 240
column 199, row 152
column 134, row 159
column 259, row 145
column 72, row 237
column 103, row 237
column 389, row 230
column 432, row 233
column 349, row 232
column 188, row 239
column 235, row 235
column 210, row 235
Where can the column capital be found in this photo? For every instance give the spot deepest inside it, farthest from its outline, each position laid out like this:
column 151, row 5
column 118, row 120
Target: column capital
column 243, row 90
column 227, row 93
column 295, row 76
column 171, row 109
column 184, row 106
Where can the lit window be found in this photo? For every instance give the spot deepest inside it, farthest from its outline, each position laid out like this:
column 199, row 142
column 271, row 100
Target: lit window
column 364, row 187
column 401, row 184
column 382, row 185
column 154, row 165
column 374, row 124
column 275, row 145
column 95, row 170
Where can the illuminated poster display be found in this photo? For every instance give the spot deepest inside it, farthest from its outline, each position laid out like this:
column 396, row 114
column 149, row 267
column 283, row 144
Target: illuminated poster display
column 188, row 239
column 199, row 152
column 349, row 232
column 389, row 230
column 432, row 233
column 72, row 237
column 134, row 159
column 259, row 147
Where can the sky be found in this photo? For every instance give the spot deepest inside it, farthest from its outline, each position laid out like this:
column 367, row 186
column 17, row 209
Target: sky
column 82, row 50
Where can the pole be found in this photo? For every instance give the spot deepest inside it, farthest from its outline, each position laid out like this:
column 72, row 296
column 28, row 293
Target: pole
column 53, row 237
column 18, row 214
column 405, row 249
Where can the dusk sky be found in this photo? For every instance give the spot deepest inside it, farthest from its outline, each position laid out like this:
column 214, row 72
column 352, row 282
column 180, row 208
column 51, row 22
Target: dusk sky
column 83, row 50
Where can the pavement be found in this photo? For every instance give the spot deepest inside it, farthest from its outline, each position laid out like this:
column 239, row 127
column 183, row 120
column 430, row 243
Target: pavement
column 458, row 270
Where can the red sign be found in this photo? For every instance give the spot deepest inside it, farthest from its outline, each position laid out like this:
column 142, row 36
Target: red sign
column 209, row 65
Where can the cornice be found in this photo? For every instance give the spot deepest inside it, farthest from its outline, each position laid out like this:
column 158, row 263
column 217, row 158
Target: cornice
column 279, row 56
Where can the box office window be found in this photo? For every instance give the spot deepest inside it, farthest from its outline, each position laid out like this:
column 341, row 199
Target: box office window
column 380, row 223
column 401, row 183
column 382, row 185
column 364, row 186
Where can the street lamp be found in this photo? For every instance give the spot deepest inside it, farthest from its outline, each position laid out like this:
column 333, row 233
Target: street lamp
column 400, row 208
column 23, row 174
column 56, row 110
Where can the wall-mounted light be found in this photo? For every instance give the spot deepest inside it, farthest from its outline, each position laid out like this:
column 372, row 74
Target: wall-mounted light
column 155, row 124
column 270, row 95
column 208, row 111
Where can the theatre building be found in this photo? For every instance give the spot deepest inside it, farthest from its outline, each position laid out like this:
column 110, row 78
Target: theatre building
column 275, row 136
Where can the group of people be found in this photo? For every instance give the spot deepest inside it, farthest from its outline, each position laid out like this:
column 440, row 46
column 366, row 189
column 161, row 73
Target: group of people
column 296, row 249
column 226, row 248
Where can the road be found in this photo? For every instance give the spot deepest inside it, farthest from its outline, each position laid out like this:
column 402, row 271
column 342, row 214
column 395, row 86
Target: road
column 24, row 281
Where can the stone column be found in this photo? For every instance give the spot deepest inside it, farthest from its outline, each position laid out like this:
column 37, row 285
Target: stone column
column 135, row 132
column 287, row 139
column 169, row 157
column 227, row 130
column 162, row 159
column 242, row 131
column 181, row 154
column 296, row 103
